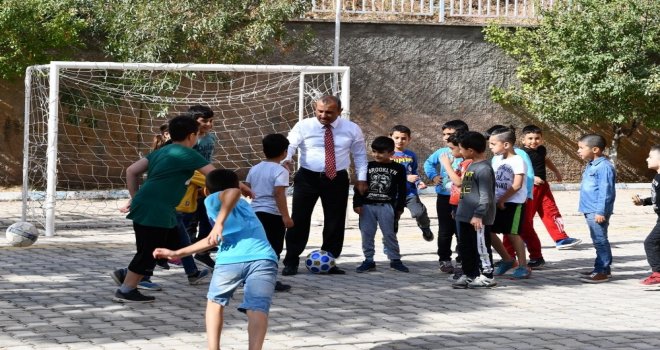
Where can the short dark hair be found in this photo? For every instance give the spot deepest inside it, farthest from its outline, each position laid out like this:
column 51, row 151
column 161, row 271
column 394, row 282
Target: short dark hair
column 655, row 148
column 532, row 129
column 456, row 137
column 181, row 126
column 593, row 140
column 474, row 140
column 200, row 111
column 382, row 144
column 455, row 124
column 274, row 145
column 505, row 135
column 492, row 129
column 329, row 99
column 221, row 179
column 402, row 129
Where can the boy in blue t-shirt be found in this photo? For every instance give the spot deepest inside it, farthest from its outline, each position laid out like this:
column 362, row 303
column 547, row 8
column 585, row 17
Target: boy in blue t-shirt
column 438, row 174
column 269, row 181
column 245, row 257
column 401, row 136
column 597, row 194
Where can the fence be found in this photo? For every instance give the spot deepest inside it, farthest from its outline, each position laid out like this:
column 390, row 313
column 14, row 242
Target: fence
column 443, row 9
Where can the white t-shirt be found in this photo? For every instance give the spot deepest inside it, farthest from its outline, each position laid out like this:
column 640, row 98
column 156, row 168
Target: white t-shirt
column 263, row 178
column 505, row 171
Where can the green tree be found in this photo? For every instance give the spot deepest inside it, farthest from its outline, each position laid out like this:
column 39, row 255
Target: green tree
column 190, row 31
column 38, row 31
column 587, row 61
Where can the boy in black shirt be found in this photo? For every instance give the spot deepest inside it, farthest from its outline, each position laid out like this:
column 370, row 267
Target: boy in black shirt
column 381, row 205
column 652, row 242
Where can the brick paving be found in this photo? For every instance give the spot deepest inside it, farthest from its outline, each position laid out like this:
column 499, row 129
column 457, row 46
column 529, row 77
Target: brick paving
column 57, row 295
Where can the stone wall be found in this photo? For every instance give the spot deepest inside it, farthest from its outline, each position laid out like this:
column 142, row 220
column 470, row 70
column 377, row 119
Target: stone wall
column 417, row 75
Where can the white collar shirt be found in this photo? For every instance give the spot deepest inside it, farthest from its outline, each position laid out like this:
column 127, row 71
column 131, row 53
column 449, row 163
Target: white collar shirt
column 307, row 136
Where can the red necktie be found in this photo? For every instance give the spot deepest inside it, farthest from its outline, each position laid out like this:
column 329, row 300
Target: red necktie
column 330, row 164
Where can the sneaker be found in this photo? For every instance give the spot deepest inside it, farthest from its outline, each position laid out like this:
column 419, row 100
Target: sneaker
column 522, row 272
column 206, row 260
column 427, row 234
column 568, row 243
column 461, row 282
column 652, row 280
column 118, row 276
column 503, row 267
column 162, row 263
column 596, row 277
column 446, row 267
column 589, row 273
column 536, row 264
column 366, row 266
column 482, row 282
column 133, row 296
column 198, row 277
column 289, row 270
column 281, row 287
column 458, row 272
column 146, row 284
column 399, row 266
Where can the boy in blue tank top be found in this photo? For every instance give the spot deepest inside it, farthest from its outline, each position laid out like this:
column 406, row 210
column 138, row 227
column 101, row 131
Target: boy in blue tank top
column 245, row 257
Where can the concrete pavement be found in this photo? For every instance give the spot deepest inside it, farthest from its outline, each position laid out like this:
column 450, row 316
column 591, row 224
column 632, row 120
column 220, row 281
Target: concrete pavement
column 57, row 294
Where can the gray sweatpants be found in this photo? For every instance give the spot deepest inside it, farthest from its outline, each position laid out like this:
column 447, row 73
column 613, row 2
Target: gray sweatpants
column 373, row 216
column 418, row 211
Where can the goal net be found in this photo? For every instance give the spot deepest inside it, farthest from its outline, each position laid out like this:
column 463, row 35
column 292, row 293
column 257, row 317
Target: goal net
column 85, row 122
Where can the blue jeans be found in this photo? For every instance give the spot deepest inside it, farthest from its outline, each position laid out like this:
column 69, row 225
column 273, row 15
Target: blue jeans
column 258, row 278
column 601, row 243
column 188, row 262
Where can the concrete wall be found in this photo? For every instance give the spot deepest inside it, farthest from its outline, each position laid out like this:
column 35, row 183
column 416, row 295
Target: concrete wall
column 417, row 75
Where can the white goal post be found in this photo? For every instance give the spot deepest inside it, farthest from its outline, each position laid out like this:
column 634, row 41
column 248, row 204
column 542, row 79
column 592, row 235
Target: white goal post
column 85, row 122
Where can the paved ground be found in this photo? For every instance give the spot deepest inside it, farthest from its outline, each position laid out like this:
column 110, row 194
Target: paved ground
column 56, row 295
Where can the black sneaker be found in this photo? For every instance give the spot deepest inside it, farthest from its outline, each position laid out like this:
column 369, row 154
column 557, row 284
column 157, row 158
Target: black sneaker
column 281, row 287
column 290, row 270
column 205, row 259
column 118, row 276
column 366, row 266
column 133, row 296
column 163, row 264
column 399, row 266
column 427, row 234
column 536, row 264
column 335, row 270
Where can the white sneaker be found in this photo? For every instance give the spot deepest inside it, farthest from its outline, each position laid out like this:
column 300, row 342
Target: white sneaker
column 482, row 282
column 461, row 283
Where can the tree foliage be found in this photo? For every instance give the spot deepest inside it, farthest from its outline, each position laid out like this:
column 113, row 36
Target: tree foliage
column 190, row 31
column 588, row 61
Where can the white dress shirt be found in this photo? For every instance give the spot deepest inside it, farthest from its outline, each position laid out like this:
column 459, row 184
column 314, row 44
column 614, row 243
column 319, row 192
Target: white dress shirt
column 308, row 137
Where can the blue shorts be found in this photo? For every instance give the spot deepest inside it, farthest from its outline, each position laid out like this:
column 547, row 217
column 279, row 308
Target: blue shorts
column 258, row 277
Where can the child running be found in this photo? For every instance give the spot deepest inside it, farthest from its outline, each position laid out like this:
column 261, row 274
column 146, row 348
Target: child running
column 652, row 241
column 401, row 136
column 510, row 194
column 244, row 257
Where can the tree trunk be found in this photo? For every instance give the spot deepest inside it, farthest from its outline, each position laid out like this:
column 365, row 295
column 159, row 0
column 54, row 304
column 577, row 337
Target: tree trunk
column 614, row 148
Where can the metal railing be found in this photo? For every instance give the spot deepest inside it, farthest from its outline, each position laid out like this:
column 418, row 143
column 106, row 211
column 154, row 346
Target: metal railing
column 444, row 9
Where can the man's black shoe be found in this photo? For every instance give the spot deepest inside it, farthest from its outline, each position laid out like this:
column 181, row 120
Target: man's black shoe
column 289, row 270
column 281, row 287
column 336, row 271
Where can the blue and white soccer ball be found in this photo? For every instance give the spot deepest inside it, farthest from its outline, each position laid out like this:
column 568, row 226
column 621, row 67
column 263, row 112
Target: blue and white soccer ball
column 22, row 234
column 320, row 261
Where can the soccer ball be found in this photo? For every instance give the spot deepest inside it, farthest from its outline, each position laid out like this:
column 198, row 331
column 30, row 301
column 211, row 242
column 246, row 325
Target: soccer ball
column 21, row 234
column 320, row 261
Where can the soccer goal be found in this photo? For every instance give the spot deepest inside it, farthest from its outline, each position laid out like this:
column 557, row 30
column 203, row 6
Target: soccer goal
column 85, row 122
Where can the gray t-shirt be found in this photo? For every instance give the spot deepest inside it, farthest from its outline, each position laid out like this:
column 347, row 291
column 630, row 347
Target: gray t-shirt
column 263, row 178
column 477, row 194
